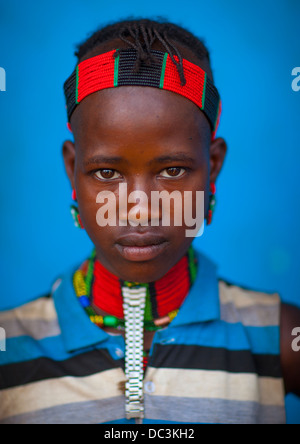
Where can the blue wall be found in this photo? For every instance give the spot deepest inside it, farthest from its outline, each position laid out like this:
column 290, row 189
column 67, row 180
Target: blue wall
column 254, row 47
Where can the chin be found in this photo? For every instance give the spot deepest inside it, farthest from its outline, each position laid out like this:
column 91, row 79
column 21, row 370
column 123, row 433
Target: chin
column 144, row 272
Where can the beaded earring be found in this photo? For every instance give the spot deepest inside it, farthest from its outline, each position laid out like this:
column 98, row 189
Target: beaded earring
column 75, row 213
column 212, row 202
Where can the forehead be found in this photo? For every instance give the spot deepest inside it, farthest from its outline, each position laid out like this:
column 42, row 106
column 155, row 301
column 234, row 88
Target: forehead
column 138, row 116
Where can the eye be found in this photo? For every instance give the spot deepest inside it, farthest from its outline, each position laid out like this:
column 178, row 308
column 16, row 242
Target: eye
column 173, row 172
column 106, row 173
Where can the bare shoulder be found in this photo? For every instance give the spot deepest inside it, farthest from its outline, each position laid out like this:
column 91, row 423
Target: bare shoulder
column 290, row 347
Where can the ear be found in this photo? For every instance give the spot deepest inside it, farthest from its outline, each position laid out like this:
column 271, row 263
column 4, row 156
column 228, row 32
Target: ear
column 69, row 160
column 217, row 154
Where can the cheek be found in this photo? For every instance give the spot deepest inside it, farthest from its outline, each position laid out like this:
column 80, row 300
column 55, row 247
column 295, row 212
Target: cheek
column 201, row 183
column 87, row 204
column 88, row 212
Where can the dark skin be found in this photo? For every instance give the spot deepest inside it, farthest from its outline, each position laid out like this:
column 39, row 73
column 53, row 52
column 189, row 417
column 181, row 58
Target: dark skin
column 159, row 141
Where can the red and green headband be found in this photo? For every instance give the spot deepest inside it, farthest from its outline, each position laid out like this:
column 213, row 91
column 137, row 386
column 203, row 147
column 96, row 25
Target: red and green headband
column 111, row 70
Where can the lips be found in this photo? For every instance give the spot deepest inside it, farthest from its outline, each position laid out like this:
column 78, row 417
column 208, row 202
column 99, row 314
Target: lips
column 141, row 247
column 140, row 240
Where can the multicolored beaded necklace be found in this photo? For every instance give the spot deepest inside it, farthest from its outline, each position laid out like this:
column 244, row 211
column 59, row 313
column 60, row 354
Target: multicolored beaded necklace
column 134, row 307
column 95, row 285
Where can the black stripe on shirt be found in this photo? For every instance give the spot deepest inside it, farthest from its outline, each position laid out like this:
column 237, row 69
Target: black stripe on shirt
column 210, row 358
column 164, row 356
column 85, row 364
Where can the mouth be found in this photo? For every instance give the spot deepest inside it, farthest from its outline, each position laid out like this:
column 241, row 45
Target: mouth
column 142, row 247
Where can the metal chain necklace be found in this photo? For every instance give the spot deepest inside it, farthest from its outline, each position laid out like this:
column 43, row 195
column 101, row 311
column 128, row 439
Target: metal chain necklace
column 134, row 302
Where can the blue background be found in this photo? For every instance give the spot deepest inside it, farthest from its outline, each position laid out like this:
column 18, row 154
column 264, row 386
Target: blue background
column 254, row 46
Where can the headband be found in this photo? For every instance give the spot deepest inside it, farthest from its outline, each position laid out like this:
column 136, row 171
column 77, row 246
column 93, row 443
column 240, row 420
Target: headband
column 111, row 69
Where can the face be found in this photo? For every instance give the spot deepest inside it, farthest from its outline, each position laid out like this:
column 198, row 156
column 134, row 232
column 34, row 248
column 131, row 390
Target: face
column 148, row 140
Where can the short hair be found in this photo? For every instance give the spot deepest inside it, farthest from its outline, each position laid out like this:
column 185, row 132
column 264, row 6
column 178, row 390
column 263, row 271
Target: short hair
column 141, row 34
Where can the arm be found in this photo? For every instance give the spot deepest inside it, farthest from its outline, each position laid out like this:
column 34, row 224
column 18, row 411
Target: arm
column 290, row 359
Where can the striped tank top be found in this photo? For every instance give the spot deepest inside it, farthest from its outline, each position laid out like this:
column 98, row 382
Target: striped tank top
column 217, row 362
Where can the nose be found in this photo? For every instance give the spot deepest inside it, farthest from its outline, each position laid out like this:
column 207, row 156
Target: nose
column 135, row 205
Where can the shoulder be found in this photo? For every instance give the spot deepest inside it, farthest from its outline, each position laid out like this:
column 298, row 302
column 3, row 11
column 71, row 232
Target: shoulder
column 41, row 307
column 249, row 306
column 279, row 324
column 36, row 319
column 40, row 312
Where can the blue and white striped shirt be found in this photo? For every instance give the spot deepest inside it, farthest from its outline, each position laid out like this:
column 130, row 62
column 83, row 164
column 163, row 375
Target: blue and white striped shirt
column 217, row 362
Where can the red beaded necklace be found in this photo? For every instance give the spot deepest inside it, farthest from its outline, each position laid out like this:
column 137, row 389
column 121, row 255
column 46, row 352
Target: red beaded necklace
column 164, row 296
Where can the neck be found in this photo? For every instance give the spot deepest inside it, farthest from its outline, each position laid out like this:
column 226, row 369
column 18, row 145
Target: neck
column 163, row 296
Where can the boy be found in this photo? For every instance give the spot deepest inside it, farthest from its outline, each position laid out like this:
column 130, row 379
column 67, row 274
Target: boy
column 143, row 111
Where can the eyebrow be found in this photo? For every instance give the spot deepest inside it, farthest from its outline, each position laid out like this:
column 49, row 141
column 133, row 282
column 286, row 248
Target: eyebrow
column 104, row 159
column 176, row 157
